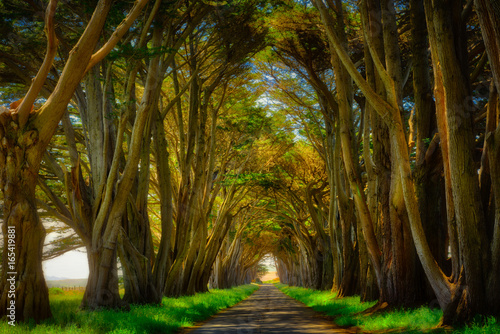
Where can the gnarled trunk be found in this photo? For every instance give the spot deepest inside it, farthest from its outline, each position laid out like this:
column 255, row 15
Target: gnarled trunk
column 102, row 284
column 449, row 50
column 135, row 247
column 138, row 277
column 22, row 229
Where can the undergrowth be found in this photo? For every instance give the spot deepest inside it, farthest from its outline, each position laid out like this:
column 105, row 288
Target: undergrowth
column 168, row 317
column 347, row 312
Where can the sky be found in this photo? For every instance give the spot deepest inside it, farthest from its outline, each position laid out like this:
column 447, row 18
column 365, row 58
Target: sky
column 268, row 261
column 72, row 264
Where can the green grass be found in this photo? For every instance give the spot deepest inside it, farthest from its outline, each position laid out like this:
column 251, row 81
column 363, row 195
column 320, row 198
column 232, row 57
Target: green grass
column 148, row 319
column 481, row 326
column 345, row 312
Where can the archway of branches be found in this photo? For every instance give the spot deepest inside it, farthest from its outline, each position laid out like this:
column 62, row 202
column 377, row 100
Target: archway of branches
column 195, row 137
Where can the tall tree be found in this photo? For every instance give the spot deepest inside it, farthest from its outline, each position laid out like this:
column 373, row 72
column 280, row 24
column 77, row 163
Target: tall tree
column 25, row 135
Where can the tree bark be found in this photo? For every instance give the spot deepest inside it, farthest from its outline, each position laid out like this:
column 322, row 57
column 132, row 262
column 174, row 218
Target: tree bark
column 465, row 186
column 390, row 114
column 106, row 227
column 403, row 286
column 101, row 291
column 493, row 287
column 428, row 163
column 488, row 13
column 22, row 273
column 163, row 260
column 36, row 134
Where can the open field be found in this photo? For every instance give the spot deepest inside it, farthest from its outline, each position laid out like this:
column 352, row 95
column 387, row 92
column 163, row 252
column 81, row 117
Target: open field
column 67, row 283
column 269, row 276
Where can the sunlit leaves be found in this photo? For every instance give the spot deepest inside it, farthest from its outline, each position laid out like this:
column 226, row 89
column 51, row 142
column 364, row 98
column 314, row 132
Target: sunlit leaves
column 264, row 180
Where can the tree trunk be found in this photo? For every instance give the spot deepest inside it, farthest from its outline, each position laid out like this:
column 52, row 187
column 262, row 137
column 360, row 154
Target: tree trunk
column 136, row 244
column 350, row 260
column 493, row 286
column 163, row 260
column 33, row 138
column 137, row 273
column 344, row 86
column 21, row 263
column 465, row 186
column 488, row 13
column 390, row 114
column 102, row 285
column 428, row 163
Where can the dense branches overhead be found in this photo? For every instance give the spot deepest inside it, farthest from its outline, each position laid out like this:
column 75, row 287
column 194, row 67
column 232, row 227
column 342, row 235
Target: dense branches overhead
column 357, row 142
column 371, row 127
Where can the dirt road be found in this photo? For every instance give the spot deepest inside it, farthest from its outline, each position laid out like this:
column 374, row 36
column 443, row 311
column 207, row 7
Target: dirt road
column 268, row 310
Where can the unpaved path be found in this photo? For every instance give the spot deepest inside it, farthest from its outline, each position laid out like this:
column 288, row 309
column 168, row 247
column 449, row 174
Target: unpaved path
column 268, row 310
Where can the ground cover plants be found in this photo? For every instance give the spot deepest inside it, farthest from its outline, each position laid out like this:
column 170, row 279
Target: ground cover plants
column 348, row 311
column 172, row 314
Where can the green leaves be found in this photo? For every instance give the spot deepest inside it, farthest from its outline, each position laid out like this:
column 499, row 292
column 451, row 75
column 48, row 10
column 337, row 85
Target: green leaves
column 249, row 121
column 264, row 180
column 129, row 51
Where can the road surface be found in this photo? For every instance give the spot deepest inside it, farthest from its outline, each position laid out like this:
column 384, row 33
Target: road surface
column 268, row 310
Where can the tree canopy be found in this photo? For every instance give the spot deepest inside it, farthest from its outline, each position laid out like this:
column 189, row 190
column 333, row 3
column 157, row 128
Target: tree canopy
column 355, row 142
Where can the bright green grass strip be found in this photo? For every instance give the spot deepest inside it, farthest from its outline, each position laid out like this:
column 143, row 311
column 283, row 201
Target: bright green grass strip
column 419, row 320
column 346, row 311
column 481, row 326
column 341, row 309
column 147, row 319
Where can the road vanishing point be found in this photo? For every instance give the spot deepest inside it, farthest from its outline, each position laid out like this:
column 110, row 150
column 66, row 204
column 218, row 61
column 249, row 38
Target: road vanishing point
column 268, row 310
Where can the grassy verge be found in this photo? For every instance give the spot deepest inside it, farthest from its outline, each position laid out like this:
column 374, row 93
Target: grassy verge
column 148, row 319
column 345, row 312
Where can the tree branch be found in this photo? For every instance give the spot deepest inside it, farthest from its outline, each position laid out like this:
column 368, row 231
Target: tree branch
column 25, row 107
column 117, row 34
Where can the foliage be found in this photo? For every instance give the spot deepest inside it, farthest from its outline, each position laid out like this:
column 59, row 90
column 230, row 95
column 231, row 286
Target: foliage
column 264, row 180
column 168, row 317
column 56, row 291
column 262, row 269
